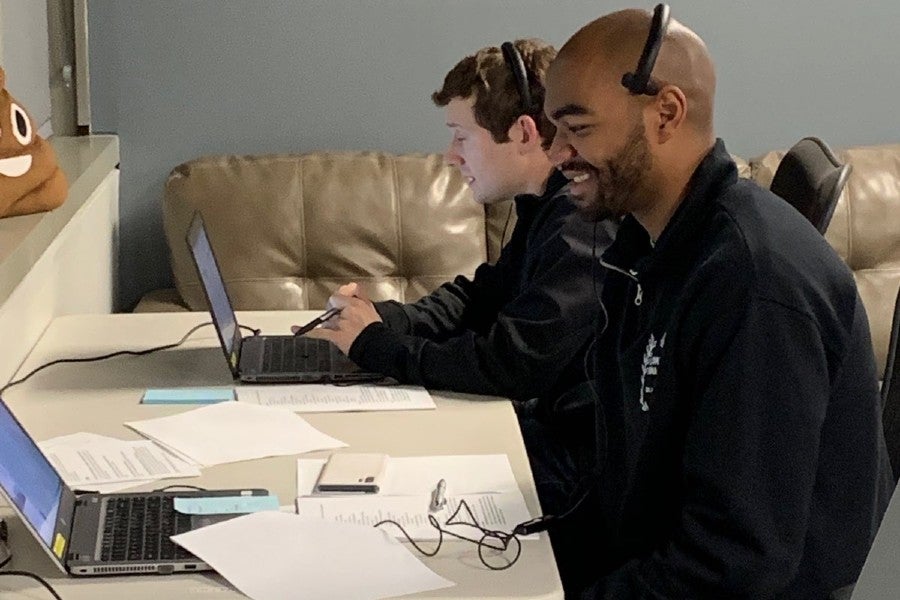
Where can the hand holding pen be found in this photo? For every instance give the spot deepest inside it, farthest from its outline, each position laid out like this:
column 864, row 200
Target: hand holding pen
column 349, row 312
column 328, row 314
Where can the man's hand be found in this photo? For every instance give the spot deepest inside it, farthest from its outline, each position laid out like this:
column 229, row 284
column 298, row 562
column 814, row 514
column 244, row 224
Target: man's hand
column 348, row 289
column 357, row 313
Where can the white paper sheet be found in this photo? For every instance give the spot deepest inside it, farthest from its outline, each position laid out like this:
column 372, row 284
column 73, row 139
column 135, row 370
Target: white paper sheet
column 98, row 463
column 499, row 512
column 234, row 431
column 274, row 555
column 418, row 475
column 330, row 398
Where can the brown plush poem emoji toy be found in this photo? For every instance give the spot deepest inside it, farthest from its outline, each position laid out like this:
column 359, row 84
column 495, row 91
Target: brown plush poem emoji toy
column 30, row 178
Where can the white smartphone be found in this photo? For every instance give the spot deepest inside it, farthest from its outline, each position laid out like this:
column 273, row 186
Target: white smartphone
column 352, row 473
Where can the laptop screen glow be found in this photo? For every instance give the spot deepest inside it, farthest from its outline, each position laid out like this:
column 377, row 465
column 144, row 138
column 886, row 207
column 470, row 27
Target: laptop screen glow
column 223, row 315
column 27, row 477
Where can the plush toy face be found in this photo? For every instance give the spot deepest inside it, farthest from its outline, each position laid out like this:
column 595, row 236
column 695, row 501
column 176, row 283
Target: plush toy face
column 30, row 179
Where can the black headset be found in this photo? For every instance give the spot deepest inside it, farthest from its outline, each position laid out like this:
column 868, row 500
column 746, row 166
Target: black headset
column 639, row 83
column 513, row 59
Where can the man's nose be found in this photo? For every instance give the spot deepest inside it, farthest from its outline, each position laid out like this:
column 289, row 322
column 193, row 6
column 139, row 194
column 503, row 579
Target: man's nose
column 560, row 150
column 452, row 157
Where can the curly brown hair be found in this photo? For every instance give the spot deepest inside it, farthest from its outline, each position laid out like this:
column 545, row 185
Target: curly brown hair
column 486, row 76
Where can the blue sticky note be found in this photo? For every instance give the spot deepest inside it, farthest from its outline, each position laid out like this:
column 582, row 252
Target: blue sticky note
column 188, row 396
column 225, row 505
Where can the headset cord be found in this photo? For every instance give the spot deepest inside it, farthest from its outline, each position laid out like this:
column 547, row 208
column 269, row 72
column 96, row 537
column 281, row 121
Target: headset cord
column 498, row 541
column 114, row 354
column 590, row 480
column 512, row 206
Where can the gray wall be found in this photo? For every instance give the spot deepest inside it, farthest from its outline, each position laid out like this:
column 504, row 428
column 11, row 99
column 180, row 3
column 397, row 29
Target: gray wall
column 24, row 57
column 178, row 79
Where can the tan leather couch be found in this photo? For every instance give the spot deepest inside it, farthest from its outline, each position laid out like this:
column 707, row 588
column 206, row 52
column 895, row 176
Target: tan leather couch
column 288, row 229
column 865, row 229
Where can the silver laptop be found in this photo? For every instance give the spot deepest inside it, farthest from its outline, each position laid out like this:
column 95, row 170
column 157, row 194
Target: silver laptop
column 89, row 533
column 265, row 358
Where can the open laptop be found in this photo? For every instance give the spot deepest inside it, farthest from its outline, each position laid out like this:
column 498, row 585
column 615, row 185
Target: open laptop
column 265, row 358
column 89, row 533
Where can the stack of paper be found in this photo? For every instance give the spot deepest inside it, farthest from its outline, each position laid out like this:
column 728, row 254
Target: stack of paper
column 330, row 398
column 497, row 512
column 418, row 475
column 88, row 461
column 234, row 431
column 485, row 482
column 272, row 555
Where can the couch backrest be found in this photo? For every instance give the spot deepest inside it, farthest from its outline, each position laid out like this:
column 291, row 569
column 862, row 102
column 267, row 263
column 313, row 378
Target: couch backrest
column 865, row 229
column 287, row 229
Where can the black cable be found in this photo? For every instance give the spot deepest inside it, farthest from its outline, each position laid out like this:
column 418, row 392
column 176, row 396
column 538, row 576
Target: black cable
column 509, row 213
column 37, row 578
column 113, row 354
column 490, row 539
column 185, row 486
column 582, row 489
column 250, row 329
column 4, row 543
column 594, row 261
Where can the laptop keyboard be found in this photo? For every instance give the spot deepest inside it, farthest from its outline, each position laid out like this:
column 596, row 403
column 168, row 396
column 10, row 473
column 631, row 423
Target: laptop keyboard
column 138, row 528
column 296, row 355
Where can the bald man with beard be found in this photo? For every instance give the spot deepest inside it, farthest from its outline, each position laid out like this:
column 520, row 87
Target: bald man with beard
column 738, row 431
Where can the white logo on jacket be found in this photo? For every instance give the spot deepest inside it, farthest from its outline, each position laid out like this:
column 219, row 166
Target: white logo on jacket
column 650, row 367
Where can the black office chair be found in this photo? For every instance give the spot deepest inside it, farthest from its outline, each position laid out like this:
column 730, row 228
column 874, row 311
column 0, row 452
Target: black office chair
column 890, row 395
column 811, row 179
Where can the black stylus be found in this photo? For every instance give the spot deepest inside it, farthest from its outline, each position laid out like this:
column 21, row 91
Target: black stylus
column 331, row 312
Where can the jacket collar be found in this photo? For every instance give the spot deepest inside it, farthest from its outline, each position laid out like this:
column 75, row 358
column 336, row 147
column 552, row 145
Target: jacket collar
column 526, row 202
column 632, row 249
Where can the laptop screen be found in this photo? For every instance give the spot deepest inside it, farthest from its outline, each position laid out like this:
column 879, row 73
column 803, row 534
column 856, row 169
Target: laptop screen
column 27, row 477
column 211, row 278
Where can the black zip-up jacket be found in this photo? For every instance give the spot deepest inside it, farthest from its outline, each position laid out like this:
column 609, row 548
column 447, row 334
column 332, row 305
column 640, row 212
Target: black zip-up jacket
column 739, row 401
column 519, row 329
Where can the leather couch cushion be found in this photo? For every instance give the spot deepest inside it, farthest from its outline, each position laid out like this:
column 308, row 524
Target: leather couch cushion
column 288, row 229
column 865, row 229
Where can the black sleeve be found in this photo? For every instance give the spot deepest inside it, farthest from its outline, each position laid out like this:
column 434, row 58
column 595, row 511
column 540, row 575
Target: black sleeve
column 453, row 307
column 520, row 352
column 761, row 383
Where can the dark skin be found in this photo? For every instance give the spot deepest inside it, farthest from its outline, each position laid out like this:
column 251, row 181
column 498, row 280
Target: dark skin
column 627, row 153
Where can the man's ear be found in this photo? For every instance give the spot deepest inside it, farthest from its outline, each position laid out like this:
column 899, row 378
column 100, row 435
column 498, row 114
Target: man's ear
column 670, row 112
column 524, row 131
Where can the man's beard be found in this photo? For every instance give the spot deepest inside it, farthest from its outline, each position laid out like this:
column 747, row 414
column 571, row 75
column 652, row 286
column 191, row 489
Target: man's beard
column 618, row 182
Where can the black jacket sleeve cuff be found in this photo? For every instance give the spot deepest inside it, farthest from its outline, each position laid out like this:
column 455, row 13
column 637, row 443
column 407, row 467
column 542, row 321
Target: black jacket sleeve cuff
column 378, row 348
column 393, row 315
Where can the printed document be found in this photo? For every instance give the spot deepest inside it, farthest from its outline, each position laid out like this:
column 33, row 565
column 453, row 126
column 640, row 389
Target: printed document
column 498, row 512
column 234, row 431
column 331, row 398
column 98, row 463
column 418, row 475
column 274, row 555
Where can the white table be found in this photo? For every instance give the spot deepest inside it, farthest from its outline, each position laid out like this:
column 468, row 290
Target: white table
column 99, row 397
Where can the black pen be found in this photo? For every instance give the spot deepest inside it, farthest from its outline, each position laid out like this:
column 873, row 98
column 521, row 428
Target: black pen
column 331, row 312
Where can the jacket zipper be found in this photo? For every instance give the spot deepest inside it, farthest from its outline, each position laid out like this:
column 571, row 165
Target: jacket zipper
column 631, row 274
